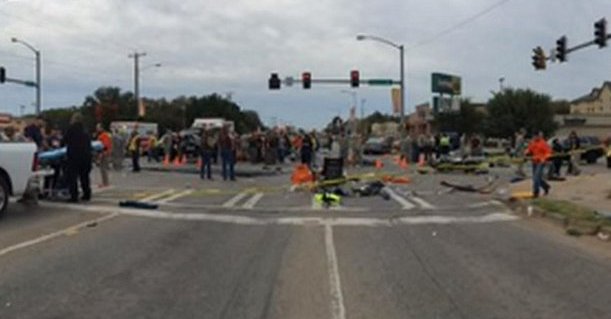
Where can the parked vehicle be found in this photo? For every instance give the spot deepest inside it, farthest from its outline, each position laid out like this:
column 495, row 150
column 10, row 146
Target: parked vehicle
column 17, row 163
column 377, row 146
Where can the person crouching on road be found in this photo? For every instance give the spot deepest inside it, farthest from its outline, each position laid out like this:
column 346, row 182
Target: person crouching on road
column 78, row 151
column 227, row 147
column 208, row 146
column 104, row 156
column 540, row 152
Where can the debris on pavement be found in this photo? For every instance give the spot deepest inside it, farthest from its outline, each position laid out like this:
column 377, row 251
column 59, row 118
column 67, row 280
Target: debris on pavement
column 137, row 204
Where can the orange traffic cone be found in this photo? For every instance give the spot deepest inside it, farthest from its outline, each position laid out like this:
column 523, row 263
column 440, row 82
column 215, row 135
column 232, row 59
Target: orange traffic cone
column 379, row 164
column 166, row 160
column 183, row 160
column 404, row 164
column 177, row 161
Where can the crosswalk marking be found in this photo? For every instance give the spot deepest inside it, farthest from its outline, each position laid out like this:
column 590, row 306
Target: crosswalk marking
column 175, row 196
column 235, row 199
column 405, row 204
column 157, row 195
column 422, row 202
column 251, row 202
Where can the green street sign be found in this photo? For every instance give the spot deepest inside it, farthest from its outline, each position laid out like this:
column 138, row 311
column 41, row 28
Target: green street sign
column 380, row 82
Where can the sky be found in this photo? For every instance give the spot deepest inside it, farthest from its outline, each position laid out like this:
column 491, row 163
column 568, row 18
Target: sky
column 231, row 47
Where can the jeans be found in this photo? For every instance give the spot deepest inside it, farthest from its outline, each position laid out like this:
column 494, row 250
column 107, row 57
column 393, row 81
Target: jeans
column 228, row 159
column 538, row 181
column 206, row 163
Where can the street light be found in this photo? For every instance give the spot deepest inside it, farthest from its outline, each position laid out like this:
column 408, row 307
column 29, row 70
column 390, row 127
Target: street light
column 38, row 67
column 399, row 47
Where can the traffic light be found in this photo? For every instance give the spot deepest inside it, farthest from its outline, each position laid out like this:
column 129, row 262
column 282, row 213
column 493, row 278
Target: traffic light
column 538, row 58
column 306, row 80
column 2, row 75
column 354, row 78
column 274, row 82
column 600, row 33
column 561, row 49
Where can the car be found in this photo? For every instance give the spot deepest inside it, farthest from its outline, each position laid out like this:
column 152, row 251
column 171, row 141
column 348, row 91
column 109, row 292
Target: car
column 377, row 146
column 18, row 162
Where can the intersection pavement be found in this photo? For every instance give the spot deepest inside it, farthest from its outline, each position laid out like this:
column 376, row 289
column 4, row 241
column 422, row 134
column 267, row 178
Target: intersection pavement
column 254, row 248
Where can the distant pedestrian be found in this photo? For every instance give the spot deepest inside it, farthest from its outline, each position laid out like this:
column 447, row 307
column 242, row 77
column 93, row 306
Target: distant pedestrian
column 104, row 156
column 134, row 150
column 78, row 153
column 519, row 148
column 540, row 152
column 151, row 153
column 557, row 160
column 306, row 151
column 208, row 146
column 227, row 147
column 33, row 132
column 574, row 153
column 118, row 149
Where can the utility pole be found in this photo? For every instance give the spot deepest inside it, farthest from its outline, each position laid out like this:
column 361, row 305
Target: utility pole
column 136, row 56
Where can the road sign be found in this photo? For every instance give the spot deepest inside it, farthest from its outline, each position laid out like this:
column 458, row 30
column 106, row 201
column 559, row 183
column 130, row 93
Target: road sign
column 380, row 82
column 445, row 83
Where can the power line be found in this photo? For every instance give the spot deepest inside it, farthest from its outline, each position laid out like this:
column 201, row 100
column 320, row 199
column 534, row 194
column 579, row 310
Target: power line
column 458, row 25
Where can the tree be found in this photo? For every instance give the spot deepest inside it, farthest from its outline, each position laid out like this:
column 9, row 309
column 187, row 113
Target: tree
column 468, row 120
column 561, row 107
column 513, row 109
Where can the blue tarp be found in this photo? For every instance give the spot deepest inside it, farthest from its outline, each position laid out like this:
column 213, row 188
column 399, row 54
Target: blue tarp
column 59, row 153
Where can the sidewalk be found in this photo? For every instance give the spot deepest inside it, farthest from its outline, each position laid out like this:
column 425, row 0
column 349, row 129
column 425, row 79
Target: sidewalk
column 591, row 190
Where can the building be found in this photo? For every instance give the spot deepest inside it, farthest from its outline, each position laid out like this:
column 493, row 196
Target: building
column 598, row 101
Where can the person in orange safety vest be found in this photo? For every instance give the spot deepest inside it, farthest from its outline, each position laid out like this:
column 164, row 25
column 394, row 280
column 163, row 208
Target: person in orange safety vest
column 540, row 152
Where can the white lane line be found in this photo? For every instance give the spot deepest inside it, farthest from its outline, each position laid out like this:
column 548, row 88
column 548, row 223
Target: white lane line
column 405, row 204
column 493, row 202
column 235, row 199
column 424, row 204
column 251, row 202
column 56, row 234
column 97, row 190
column 175, row 196
column 338, row 311
column 157, row 195
column 291, row 221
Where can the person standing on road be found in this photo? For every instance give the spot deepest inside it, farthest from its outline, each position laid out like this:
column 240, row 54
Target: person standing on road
column 574, row 153
column 520, row 147
column 444, row 145
column 166, row 142
column 134, row 149
column 118, row 149
column 226, row 144
column 208, row 146
column 104, row 155
column 306, row 151
column 78, row 152
column 540, row 152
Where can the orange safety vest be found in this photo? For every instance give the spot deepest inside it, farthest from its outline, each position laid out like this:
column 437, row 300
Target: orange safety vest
column 104, row 137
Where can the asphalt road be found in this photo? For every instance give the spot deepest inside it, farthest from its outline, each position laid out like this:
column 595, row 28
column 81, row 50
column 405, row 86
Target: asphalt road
column 220, row 250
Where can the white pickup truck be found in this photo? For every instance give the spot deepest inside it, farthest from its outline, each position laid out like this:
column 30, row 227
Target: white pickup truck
column 17, row 166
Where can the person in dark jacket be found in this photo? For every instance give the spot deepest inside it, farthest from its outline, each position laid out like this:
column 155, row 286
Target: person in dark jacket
column 78, row 152
column 227, row 146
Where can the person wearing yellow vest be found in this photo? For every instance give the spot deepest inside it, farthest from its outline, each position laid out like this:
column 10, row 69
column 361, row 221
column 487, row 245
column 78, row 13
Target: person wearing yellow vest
column 134, row 150
column 444, row 145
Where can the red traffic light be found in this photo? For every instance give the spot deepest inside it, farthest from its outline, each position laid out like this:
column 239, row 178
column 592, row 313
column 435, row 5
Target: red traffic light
column 354, row 78
column 306, row 80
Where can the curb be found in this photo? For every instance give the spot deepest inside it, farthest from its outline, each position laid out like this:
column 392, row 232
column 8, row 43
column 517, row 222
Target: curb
column 573, row 227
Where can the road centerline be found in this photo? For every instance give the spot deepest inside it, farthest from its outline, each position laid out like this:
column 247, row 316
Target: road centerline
column 338, row 311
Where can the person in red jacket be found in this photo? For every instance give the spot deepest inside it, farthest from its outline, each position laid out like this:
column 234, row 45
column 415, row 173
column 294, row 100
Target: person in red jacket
column 540, row 152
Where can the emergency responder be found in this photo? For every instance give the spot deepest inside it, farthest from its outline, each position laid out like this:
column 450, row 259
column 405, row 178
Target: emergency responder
column 78, row 153
column 540, row 152
column 444, row 145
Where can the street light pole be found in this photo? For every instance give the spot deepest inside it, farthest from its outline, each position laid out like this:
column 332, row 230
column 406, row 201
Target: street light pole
column 38, row 72
column 361, row 37
column 136, row 56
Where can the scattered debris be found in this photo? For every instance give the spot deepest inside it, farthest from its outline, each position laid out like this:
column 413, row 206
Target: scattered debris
column 137, row 204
